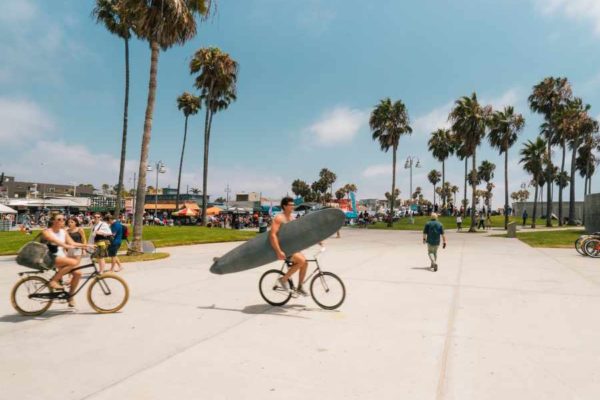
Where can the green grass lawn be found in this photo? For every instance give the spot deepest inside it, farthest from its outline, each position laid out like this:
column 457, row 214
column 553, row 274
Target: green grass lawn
column 162, row 236
column 564, row 239
column 448, row 222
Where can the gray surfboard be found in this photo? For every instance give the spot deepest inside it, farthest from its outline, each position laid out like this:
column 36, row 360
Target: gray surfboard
column 293, row 237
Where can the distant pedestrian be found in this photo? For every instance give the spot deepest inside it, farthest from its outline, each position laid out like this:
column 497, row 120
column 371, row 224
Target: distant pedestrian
column 117, row 232
column 481, row 220
column 458, row 223
column 525, row 215
column 431, row 236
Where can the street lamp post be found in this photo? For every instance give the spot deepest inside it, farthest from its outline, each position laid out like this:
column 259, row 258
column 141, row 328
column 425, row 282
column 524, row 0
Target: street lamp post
column 160, row 169
column 410, row 161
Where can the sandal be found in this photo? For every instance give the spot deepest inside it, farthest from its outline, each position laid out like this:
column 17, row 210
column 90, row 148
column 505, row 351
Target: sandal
column 55, row 285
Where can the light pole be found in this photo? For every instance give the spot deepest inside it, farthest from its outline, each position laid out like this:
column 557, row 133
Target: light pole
column 227, row 190
column 160, row 169
column 410, row 160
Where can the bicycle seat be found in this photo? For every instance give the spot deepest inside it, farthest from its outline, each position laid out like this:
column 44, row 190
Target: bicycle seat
column 288, row 261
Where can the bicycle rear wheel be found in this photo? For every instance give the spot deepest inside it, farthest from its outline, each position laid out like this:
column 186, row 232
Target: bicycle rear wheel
column 578, row 244
column 108, row 293
column 327, row 290
column 31, row 296
column 271, row 291
column 592, row 248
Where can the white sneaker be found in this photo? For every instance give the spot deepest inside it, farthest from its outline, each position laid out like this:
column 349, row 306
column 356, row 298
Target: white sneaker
column 283, row 284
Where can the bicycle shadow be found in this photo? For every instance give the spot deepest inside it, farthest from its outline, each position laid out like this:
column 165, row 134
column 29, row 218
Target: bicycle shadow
column 263, row 309
column 16, row 318
column 422, row 268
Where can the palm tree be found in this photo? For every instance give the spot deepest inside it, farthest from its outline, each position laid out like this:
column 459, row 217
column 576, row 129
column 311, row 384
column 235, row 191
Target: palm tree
column 532, row 158
column 117, row 21
column 469, row 121
column 389, row 121
column 586, row 162
column 441, row 147
column 486, row 174
column 547, row 98
column 162, row 23
column 504, row 131
column 434, row 178
column 577, row 125
column 190, row 105
column 461, row 152
column 216, row 80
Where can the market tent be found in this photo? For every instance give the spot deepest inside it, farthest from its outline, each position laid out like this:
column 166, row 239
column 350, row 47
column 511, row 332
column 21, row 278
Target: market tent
column 185, row 212
column 6, row 210
column 213, row 210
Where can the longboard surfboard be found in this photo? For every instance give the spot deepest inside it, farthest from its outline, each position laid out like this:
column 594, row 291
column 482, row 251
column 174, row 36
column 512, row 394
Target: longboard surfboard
column 293, row 237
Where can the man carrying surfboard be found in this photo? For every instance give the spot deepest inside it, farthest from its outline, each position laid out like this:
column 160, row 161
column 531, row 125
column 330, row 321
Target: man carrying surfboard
column 297, row 260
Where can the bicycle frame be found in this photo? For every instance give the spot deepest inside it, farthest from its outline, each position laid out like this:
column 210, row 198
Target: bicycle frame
column 63, row 294
column 286, row 263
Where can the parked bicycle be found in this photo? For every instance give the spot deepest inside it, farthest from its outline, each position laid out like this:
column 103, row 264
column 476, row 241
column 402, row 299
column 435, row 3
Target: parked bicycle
column 588, row 245
column 326, row 288
column 32, row 295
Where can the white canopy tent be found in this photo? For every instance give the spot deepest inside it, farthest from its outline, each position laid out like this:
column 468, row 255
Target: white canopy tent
column 6, row 210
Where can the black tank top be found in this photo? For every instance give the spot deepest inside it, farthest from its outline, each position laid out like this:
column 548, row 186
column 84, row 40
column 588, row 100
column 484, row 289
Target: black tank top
column 76, row 236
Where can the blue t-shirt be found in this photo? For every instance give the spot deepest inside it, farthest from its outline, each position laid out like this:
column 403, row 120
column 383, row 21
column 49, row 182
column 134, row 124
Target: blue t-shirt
column 117, row 230
column 433, row 229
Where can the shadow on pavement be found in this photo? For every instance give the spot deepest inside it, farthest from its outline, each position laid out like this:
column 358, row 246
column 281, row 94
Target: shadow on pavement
column 16, row 318
column 264, row 309
column 422, row 268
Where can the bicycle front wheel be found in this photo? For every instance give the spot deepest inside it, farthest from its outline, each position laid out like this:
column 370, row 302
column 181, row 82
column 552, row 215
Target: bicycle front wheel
column 592, row 247
column 327, row 290
column 578, row 245
column 271, row 291
column 31, row 296
column 108, row 293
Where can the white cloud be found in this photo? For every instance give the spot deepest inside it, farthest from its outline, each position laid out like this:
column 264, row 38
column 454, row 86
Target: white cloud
column 339, row 125
column 579, row 10
column 377, row 170
column 22, row 120
column 511, row 97
column 433, row 120
column 15, row 13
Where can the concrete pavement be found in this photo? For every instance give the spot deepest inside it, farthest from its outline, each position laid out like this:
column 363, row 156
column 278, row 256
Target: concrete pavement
column 499, row 320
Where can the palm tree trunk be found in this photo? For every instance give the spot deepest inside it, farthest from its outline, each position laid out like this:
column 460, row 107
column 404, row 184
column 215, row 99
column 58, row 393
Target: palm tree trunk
column 560, row 187
column 506, row 189
column 181, row 163
column 549, row 187
column 534, row 214
column 465, row 190
column 392, row 197
column 434, row 197
column 124, row 137
column 473, row 227
column 572, row 184
column 141, row 186
column 205, row 167
column 443, row 183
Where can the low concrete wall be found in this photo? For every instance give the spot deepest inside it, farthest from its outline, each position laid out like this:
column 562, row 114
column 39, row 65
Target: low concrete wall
column 541, row 208
column 592, row 212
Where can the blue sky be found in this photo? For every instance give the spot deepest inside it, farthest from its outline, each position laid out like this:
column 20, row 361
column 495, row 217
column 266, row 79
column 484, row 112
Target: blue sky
column 311, row 71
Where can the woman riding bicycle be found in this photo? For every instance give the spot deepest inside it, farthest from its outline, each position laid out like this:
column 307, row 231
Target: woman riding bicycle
column 58, row 240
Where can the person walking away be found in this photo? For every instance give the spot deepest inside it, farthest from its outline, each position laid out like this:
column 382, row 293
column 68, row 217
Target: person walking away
column 101, row 236
column 431, row 236
column 525, row 217
column 481, row 220
column 458, row 223
column 117, row 232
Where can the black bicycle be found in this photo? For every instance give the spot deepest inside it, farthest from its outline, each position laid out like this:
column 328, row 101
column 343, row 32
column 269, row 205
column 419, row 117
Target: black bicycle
column 326, row 288
column 32, row 295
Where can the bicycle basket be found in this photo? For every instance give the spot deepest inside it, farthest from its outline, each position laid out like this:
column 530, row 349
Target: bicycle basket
column 35, row 255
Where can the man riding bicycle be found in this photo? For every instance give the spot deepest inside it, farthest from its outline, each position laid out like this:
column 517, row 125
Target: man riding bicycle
column 297, row 261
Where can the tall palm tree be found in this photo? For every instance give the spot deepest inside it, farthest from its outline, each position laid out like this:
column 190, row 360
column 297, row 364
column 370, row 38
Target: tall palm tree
column 504, row 131
column 216, row 79
column 469, row 121
column 461, row 152
column 547, row 98
column 162, row 23
column 389, row 121
column 434, row 178
column 117, row 21
column 190, row 105
column 586, row 161
column 575, row 122
column 532, row 157
column 486, row 174
column 441, row 147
